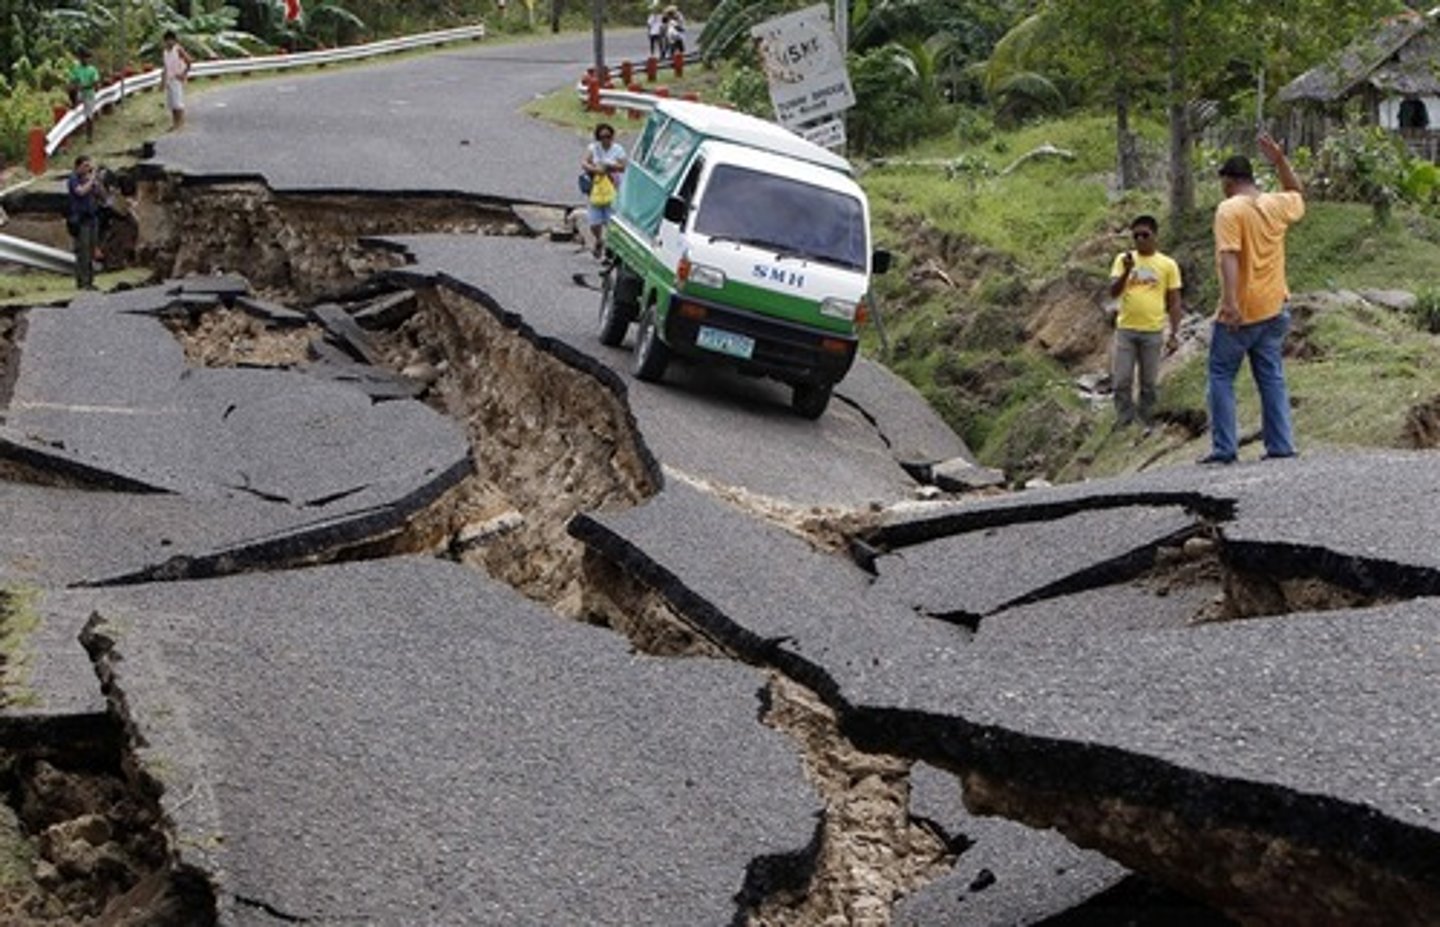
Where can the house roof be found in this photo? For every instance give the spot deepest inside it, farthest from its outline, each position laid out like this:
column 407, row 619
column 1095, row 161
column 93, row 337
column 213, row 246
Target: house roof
column 1401, row 56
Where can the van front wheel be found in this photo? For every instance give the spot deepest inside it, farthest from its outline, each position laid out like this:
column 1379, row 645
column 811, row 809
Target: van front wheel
column 651, row 354
column 810, row 399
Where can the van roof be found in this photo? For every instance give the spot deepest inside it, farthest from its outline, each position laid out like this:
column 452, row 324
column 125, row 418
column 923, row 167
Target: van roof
column 744, row 129
column 771, row 162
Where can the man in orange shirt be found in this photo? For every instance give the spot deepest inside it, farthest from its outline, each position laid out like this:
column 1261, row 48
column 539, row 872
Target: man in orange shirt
column 1254, row 316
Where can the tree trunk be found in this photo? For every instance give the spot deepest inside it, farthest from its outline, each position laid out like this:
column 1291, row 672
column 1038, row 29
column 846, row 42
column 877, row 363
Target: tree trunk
column 1182, row 183
column 1127, row 157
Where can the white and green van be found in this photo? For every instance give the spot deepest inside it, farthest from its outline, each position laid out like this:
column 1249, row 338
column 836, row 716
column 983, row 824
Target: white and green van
column 735, row 241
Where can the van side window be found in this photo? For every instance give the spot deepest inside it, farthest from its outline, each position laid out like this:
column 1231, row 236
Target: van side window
column 647, row 138
column 667, row 155
column 691, row 181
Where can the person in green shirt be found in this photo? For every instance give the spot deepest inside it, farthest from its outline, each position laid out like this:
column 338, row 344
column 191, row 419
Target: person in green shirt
column 84, row 79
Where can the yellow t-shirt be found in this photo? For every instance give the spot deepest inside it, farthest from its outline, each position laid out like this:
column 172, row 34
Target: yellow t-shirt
column 1142, row 302
column 1254, row 227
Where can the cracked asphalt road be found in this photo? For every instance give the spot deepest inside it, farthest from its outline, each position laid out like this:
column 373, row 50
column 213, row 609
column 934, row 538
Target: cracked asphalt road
column 318, row 731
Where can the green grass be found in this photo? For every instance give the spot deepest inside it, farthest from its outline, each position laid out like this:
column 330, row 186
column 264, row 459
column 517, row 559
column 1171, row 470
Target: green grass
column 1339, row 246
column 18, row 622
column 40, row 288
column 1032, row 214
column 1362, row 373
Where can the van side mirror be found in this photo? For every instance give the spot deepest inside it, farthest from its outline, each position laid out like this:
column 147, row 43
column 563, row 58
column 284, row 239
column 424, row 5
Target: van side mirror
column 676, row 209
column 879, row 261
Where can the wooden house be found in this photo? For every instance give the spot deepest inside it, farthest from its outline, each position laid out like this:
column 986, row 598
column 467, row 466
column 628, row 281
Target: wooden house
column 1390, row 78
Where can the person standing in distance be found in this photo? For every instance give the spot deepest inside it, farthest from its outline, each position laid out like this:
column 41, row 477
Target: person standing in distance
column 1147, row 283
column 177, row 72
column 1254, row 314
column 84, row 78
column 655, row 29
column 84, row 190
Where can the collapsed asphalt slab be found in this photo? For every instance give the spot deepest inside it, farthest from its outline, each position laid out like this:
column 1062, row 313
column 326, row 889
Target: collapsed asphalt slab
column 1183, row 752
column 373, row 740
column 956, row 575
column 861, row 451
column 1005, row 873
column 1360, row 520
column 103, row 395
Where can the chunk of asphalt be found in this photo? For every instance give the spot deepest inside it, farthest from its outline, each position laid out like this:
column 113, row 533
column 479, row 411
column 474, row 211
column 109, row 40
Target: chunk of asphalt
column 547, row 221
column 347, row 333
column 272, row 313
column 226, row 288
column 1005, row 873
column 388, row 311
column 391, row 740
column 1106, row 611
column 957, row 574
column 961, row 475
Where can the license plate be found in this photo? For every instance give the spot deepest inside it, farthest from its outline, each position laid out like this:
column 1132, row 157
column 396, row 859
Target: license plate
column 723, row 342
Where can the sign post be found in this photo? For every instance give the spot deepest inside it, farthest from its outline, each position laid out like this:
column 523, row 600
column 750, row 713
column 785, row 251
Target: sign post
column 805, row 68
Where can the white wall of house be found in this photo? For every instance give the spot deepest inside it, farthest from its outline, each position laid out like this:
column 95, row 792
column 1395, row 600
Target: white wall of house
column 1390, row 112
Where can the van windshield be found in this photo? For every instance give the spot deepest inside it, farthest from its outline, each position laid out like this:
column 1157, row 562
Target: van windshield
column 787, row 216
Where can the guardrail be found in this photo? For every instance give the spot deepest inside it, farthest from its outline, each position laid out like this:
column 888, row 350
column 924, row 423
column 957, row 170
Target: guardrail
column 19, row 251
column 74, row 119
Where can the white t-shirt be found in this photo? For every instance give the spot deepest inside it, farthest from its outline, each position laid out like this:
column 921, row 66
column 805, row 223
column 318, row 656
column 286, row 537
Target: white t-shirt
column 606, row 157
column 175, row 66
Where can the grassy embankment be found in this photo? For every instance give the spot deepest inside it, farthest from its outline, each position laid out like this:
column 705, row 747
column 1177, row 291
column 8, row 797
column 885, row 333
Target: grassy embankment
column 1005, row 241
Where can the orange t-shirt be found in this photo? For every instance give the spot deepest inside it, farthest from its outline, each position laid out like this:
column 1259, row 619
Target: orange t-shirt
column 1254, row 227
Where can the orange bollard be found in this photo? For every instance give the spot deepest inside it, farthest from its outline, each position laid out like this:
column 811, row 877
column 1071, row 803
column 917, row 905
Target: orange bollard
column 692, row 97
column 608, row 110
column 37, row 152
column 627, row 72
column 651, row 67
column 678, row 64
column 662, row 91
column 59, row 112
column 633, row 113
column 592, row 95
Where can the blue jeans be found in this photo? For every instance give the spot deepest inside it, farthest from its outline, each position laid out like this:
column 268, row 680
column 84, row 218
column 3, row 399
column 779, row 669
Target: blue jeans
column 1262, row 342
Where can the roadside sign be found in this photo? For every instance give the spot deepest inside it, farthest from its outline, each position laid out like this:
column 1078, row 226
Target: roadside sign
column 827, row 134
column 804, row 66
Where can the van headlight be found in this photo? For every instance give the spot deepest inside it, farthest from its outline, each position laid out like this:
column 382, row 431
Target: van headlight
column 837, row 308
column 712, row 277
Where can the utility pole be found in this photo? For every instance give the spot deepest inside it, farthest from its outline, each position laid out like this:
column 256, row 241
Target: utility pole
column 598, row 10
column 124, row 51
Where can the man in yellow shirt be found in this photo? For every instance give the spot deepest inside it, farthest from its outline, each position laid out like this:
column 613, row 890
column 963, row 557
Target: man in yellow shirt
column 1254, row 316
column 1147, row 283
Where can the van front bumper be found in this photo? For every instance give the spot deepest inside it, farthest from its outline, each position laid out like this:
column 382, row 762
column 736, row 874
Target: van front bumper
column 786, row 351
